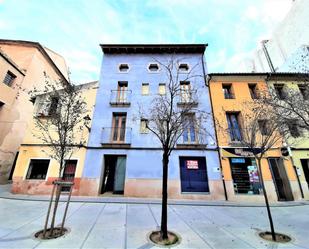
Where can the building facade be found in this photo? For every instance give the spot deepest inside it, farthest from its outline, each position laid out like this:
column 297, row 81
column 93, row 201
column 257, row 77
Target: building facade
column 23, row 66
column 123, row 157
column 231, row 95
column 35, row 169
column 297, row 141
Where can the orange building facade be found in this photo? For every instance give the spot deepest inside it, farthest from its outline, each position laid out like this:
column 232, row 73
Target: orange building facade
column 230, row 95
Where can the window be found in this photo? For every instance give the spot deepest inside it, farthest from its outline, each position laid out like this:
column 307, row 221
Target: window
column 253, row 91
column 264, row 127
column 143, row 127
column 153, row 67
column 227, row 91
column 119, row 127
column 162, row 89
column 185, row 92
column 122, row 92
column 233, row 126
column 69, row 173
column 53, row 106
column 304, row 91
column 123, row 68
column 183, row 67
column 279, row 91
column 37, row 169
column 189, row 135
column 293, row 127
column 145, row 89
column 245, row 176
column 9, row 78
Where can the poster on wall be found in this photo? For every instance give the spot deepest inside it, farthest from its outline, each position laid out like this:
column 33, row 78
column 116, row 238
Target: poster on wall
column 192, row 164
column 253, row 174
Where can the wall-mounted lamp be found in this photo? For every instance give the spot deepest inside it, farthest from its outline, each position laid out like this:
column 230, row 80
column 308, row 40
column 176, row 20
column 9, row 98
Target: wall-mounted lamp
column 87, row 120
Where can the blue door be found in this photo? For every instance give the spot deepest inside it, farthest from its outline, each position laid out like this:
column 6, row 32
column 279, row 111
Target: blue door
column 193, row 174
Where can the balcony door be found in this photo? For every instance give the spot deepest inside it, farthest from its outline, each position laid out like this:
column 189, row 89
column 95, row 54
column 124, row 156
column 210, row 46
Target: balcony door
column 122, row 92
column 185, row 91
column 119, row 127
column 189, row 135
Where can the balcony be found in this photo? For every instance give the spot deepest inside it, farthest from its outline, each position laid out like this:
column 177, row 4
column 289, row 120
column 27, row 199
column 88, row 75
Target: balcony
column 116, row 137
column 120, row 98
column 191, row 140
column 187, row 97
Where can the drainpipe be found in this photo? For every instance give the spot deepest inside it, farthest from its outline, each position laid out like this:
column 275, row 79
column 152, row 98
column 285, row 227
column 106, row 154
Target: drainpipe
column 213, row 119
column 270, row 64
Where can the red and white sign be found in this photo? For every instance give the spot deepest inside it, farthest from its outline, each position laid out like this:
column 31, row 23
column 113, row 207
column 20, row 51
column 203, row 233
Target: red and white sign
column 192, row 164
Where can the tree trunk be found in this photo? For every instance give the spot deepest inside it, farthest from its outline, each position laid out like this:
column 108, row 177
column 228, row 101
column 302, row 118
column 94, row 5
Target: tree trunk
column 273, row 235
column 164, row 197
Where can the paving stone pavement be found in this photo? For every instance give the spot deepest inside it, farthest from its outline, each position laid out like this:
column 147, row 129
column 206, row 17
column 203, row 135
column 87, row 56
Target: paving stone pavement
column 126, row 225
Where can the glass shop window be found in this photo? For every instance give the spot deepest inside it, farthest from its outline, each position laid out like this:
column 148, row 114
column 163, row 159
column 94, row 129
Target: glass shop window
column 245, row 176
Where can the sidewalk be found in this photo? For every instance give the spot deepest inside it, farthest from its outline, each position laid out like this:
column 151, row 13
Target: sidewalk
column 6, row 194
column 123, row 225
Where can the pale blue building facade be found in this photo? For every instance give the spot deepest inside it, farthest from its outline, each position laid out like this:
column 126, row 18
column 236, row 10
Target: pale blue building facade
column 122, row 156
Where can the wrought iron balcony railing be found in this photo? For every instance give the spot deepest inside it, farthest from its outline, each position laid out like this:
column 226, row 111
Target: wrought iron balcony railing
column 120, row 97
column 116, row 135
column 187, row 97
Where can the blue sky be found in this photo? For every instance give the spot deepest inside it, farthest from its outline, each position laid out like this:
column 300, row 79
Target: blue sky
column 74, row 28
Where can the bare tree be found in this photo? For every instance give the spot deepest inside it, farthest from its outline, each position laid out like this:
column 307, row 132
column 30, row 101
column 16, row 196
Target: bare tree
column 173, row 113
column 59, row 120
column 260, row 132
column 290, row 101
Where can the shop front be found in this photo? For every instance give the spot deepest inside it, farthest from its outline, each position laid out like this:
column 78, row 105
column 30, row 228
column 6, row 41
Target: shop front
column 242, row 176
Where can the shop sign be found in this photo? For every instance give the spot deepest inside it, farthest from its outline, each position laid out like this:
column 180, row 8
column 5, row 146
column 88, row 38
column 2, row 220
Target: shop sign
column 192, row 164
column 241, row 152
column 238, row 160
column 253, row 174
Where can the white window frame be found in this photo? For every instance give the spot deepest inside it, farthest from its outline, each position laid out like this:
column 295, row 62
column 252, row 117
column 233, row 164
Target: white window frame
column 157, row 71
column 119, row 71
column 28, row 165
column 180, row 71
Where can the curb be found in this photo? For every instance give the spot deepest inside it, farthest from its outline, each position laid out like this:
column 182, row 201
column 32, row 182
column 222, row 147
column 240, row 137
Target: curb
column 154, row 202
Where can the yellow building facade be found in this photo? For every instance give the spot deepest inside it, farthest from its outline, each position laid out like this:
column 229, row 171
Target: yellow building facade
column 230, row 95
column 299, row 144
column 35, row 169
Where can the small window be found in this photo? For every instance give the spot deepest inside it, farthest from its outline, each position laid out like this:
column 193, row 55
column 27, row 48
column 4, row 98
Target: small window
column 264, row 127
column 9, row 78
column 293, row 128
column 227, row 91
column 304, row 91
column 183, row 67
column 37, row 169
column 123, row 68
column 143, row 127
column 153, row 67
column 162, row 89
column 145, row 89
column 253, row 91
column 279, row 91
